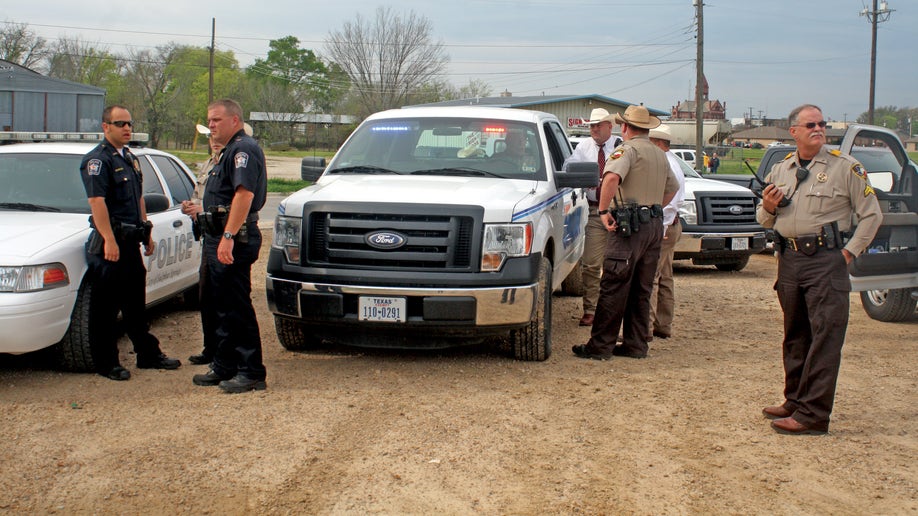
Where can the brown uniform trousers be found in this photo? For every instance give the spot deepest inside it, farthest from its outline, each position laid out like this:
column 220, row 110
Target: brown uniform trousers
column 813, row 292
column 625, row 288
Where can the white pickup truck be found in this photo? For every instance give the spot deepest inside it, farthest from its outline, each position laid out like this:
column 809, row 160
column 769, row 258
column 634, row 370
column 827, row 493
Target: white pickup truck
column 718, row 223
column 432, row 227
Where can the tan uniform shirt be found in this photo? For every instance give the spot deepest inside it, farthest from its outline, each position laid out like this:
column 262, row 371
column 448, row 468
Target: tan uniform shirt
column 203, row 174
column 646, row 176
column 836, row 190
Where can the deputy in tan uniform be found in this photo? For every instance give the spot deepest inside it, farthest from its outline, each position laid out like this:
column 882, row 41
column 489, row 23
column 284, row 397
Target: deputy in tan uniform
column 636, row 183
column 815, row 195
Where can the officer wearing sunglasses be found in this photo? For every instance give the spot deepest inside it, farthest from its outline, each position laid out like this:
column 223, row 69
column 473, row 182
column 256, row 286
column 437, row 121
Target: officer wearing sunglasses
column 814, row 195
column 114, row 187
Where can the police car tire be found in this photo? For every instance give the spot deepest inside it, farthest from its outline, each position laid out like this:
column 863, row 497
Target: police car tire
column 533, row 343
column 891, row 305
column 573, row 283
column 736, row 265
column 74, row 351
column 292, row 334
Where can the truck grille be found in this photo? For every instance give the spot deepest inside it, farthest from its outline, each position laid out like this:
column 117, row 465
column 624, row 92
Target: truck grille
column 431, row 240
column 726, row 209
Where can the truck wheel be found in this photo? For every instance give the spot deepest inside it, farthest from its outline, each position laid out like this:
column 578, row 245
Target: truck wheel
column 74, row 351
column 292, row 334
column 534, row 341
column 736, row 265
column 891, row 305
column 573, row 283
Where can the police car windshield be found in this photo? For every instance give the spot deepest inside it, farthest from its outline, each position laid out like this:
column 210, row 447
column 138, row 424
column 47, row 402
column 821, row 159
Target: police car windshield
column 42, row 182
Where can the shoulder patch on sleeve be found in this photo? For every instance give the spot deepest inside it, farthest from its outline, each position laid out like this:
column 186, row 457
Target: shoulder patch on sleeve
column 617, row 154
column 241, row 159
column 859, row 171
column 94, row 167
column 835, row 152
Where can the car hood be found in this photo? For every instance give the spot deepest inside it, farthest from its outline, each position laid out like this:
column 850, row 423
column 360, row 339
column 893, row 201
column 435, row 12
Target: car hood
column 693, row 184
column 24, row 234
column 502, row 196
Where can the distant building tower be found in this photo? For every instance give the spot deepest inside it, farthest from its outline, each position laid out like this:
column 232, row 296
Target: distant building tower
column 711, row 109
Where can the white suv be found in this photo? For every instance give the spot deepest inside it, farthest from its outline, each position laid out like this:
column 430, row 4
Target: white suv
column 43, row 228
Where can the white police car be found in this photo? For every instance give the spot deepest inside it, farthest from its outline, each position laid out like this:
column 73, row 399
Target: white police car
column 43, row 228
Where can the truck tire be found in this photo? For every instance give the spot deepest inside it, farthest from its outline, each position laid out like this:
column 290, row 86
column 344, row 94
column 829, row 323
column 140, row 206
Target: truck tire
column 292, row 334
column 533, row 343
column 735, row 265
column 74, row 351
column 891, row 305
column 573, row 283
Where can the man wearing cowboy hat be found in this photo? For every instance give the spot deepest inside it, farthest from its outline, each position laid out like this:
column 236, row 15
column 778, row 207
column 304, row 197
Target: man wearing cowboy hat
column 638, row 178
column 663, row 300
column 596, row 150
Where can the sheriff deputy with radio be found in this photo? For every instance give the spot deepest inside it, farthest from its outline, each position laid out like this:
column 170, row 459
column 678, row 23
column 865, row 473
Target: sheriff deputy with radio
column 636, row 182
column 114, row 187
column 811, row 203
column 233, row 195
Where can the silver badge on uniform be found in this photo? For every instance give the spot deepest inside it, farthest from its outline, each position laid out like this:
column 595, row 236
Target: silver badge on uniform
column 241, row 160
column 822, row 177
column 94, row 167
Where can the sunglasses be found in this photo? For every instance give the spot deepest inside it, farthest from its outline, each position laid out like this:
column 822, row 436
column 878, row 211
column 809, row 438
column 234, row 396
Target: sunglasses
column 812, row 125
column 121, row 123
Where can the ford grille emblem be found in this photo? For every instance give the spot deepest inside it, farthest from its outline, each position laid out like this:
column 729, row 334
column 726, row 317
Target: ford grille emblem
column 735, row 209
column 385, row 240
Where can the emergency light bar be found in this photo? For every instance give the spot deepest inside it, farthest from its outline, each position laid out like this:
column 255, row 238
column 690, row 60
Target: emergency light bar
column 30, row 136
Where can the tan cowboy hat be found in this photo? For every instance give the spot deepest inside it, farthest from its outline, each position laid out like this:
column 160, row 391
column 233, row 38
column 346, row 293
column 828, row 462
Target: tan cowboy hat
column 596, row 116
column 638, row 116
column 662, row 133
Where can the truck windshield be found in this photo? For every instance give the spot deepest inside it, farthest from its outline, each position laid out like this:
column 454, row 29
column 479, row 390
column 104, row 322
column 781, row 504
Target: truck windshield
column 444, row 146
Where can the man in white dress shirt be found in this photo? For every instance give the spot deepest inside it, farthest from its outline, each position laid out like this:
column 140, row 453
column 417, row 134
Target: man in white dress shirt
column 663, row 300
column 601, row 140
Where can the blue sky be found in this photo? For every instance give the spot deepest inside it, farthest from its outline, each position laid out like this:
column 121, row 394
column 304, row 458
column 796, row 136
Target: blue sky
column 760, row 56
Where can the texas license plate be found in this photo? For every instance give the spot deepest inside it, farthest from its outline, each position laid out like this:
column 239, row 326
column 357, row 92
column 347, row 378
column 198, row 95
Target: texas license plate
column 381, row 309
column 740, row 244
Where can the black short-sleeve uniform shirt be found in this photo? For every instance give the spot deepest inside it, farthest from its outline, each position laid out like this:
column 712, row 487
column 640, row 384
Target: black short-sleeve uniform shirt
column 242, row 164
column 106, row 173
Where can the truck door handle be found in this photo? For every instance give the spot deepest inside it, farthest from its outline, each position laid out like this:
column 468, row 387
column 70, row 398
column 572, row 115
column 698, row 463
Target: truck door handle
column 177, row 223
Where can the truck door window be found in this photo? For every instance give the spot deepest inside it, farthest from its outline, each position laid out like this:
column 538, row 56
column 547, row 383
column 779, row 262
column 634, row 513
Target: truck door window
column 557, row 144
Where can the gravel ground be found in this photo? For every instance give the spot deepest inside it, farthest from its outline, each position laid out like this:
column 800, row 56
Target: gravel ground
column 353, row 431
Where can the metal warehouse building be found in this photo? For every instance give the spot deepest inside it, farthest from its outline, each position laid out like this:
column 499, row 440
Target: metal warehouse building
column 30, row 101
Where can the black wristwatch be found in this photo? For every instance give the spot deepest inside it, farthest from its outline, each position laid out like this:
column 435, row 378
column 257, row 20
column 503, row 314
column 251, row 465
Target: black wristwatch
column 227, row 235
column 602, row 212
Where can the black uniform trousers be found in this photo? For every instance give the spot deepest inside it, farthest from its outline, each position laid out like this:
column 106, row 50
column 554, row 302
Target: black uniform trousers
column 119, row 286
column 814, row 294
column 208, row 318
column 624, row 290
column 227, row 296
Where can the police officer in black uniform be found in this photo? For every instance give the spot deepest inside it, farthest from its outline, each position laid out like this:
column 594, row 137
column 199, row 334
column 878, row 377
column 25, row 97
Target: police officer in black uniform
column 114, row 186
column 234, row 194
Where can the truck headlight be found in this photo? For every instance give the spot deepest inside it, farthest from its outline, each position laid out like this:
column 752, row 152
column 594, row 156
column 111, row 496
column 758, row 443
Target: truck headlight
column 31, row 278
column 688, row 211
column 502, row 241
column 287, row 236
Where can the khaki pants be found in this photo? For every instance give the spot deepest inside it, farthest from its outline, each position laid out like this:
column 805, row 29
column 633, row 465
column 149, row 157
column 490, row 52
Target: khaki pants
column 594, row 251
column 663, row 298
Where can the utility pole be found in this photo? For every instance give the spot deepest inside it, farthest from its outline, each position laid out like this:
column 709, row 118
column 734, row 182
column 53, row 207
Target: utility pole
column 210, row 78
column 699, row 80
column 874, row 16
